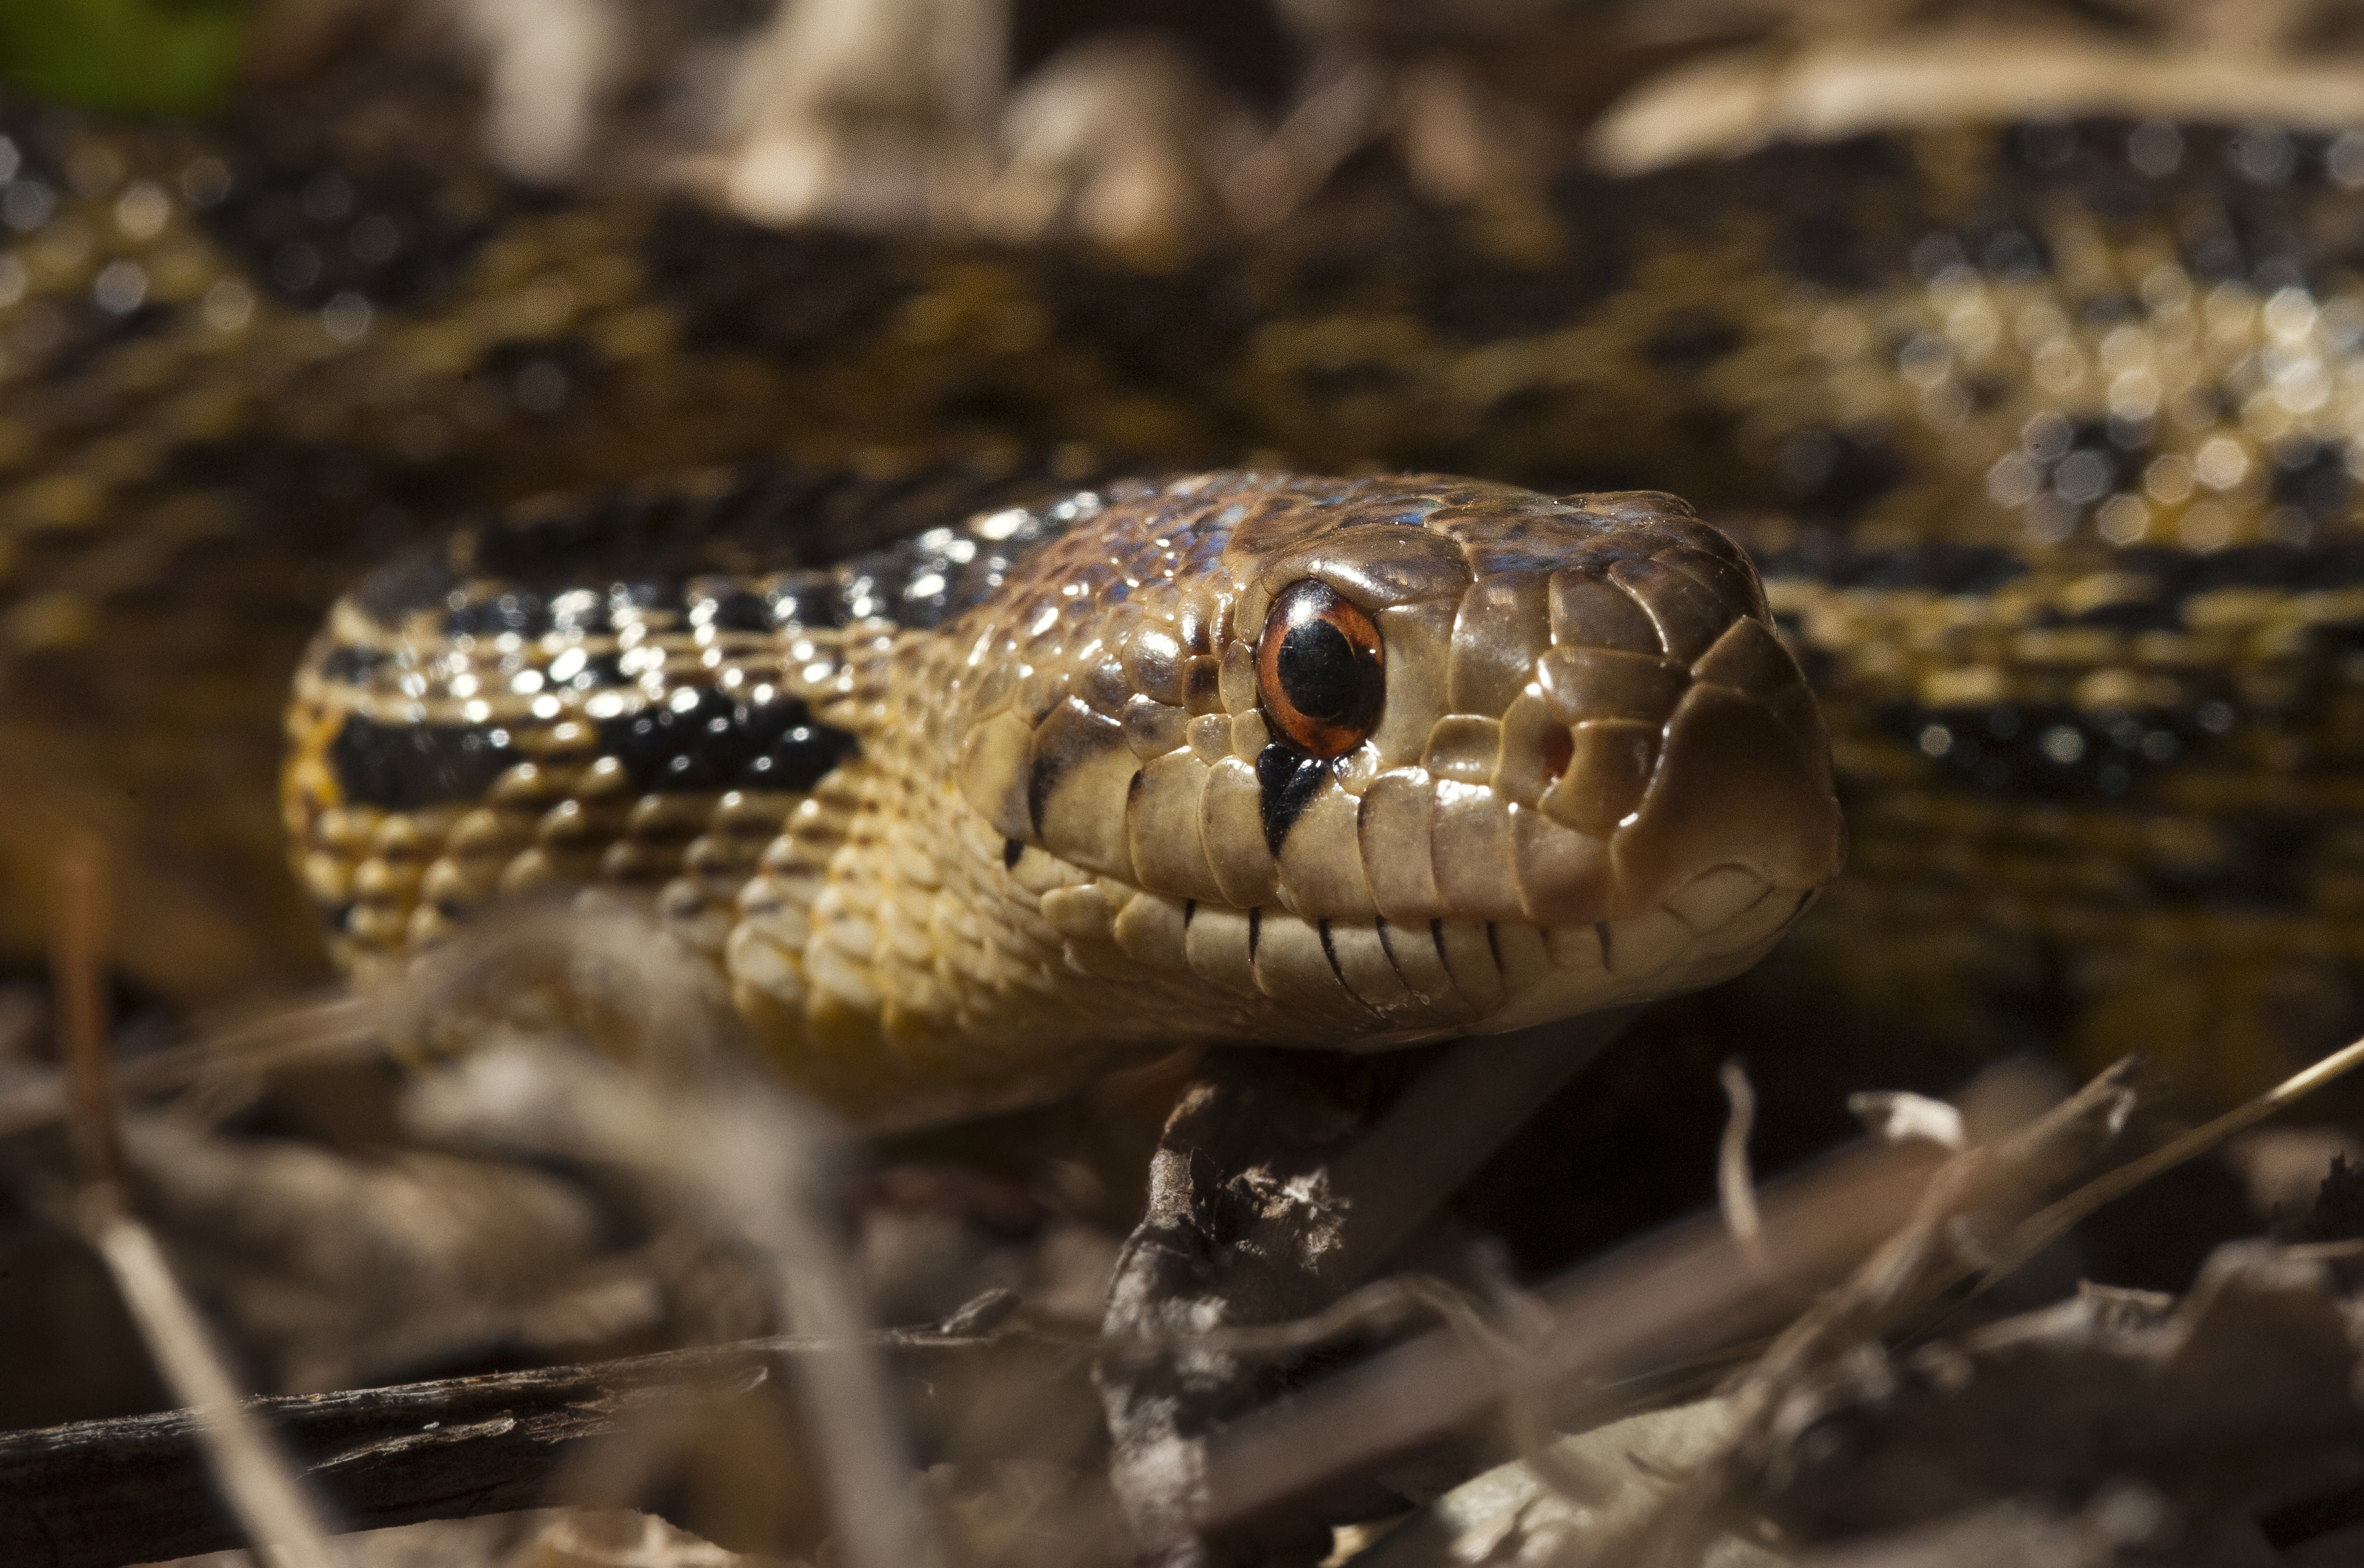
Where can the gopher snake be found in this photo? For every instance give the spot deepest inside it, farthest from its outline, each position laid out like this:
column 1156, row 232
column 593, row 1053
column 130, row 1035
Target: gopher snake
column 2041, row 437
column 1232, row 758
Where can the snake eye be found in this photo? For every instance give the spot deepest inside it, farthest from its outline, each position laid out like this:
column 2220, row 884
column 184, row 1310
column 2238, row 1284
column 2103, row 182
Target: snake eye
column 1320, row 669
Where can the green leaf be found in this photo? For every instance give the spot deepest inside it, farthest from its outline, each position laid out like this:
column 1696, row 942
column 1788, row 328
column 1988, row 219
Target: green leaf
column 172, row 57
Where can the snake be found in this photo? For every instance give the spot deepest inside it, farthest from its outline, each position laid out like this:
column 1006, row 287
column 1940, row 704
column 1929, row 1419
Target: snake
column 2036, row 441
column 1233, row 758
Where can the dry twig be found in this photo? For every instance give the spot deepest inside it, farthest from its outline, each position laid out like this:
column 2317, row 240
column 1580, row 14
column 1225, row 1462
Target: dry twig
column 272, row 1509
column 2041, row 1231
column 1969, row 73
column 97, row 1494
column 1735, row 1189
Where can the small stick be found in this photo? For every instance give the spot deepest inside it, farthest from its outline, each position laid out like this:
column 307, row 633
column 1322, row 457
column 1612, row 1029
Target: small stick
column 1735, row 1188
column 2051, row 1224
column 341, row 1027
column 260, row 1488
column 78, row 978
column 272, row 1510
column 97, row 1494
column 1724, row 105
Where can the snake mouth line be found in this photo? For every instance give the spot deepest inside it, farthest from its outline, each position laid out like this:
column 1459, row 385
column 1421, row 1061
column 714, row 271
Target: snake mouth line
column 1370, row 988
column 1750, row 937
column 1712, row 927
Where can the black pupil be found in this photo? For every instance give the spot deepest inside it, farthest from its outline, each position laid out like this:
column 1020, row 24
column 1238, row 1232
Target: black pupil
column 1319, row 674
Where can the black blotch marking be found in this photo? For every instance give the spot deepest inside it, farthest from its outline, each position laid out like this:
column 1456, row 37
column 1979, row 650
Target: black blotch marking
column 1255, row 933
column 1286, row 781
column 1190, row 911
column 716, row 743
column 644, row 596
column 1600, row 930
column 350, row 664
column 402, row 767
column 664, row 548
column 2109, row 309
column 2009, row 250
column 1011, row 851
column 1494, row 944
column 732, row 609
column 804, row 602
column 2314, row 477
column 1436, row 938
column 2009, row 748
column 798, row 756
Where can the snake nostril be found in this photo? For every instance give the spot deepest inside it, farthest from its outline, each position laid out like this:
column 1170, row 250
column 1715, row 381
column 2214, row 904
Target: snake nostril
column 1559, row 750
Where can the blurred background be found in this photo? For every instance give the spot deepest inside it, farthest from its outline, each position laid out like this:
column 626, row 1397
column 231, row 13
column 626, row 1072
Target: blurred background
column 2023, row 342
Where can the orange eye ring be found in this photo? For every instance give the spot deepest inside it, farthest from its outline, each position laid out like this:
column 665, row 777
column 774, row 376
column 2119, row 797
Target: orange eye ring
column 1320, row 669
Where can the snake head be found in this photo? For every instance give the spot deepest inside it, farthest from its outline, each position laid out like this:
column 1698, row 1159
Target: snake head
column 1236, row 758
column 1408, row 756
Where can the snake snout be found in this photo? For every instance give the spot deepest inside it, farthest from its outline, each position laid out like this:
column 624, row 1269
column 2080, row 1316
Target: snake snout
column 1663, row 778
column 1629, row 722
column 1660, row 773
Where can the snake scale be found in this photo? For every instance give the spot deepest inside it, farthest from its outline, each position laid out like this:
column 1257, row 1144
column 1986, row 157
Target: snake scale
column 2039, row 438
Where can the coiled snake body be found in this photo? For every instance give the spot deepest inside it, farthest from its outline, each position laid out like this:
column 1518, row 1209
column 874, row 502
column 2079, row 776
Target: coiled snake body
column 2040, row 438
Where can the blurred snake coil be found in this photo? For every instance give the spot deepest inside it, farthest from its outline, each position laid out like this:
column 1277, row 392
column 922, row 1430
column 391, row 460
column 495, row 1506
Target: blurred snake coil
column 2042, row 438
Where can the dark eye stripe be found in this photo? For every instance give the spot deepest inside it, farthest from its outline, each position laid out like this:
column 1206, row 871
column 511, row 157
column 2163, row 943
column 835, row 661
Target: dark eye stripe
column 1286, row 780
